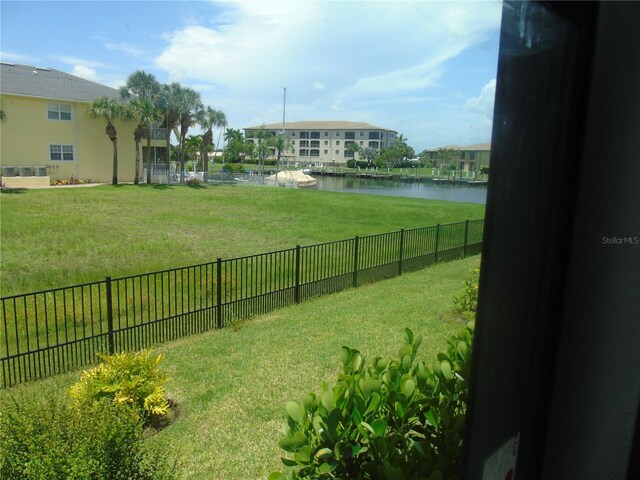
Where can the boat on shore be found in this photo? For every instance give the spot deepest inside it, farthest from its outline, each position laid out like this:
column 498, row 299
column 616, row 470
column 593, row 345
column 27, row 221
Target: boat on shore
column 292, row 179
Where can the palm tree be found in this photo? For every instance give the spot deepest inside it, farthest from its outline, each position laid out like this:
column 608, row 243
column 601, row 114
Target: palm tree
column 109, row 110
column 138, row 133
column 208, row 118
column 188, row 104
column 167, row 102
column 143, row 88
column 148, row 116
column 221, row 123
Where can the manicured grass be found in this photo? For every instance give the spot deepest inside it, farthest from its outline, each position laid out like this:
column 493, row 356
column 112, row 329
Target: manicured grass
column 231, row 385
column 63, row 236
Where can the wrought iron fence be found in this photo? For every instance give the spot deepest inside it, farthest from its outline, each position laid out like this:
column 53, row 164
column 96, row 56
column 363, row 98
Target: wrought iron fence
column 53, row 331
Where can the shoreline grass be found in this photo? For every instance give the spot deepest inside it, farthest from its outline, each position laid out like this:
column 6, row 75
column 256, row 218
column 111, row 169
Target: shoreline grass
column 231, row 385
column 57, row 237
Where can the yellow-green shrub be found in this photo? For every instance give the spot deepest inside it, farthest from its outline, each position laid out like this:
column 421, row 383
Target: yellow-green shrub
column 129, row 378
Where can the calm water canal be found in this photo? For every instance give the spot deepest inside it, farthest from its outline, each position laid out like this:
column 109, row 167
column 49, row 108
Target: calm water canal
column 393, row 188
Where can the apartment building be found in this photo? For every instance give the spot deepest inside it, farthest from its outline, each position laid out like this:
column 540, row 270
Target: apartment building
column 326, row 142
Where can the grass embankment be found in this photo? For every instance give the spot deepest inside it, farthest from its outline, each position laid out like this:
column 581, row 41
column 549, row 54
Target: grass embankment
column 231, row 385
column 58, row 237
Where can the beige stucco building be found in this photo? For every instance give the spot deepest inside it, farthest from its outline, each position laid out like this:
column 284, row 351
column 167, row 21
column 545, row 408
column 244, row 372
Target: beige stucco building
column 466, row 158
column 46, row 128
column 326, row 142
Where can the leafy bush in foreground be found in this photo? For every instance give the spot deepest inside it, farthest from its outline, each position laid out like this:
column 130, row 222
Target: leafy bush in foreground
column 130, row 378
column 467, row 303
column 48, row 438
column 387, row 419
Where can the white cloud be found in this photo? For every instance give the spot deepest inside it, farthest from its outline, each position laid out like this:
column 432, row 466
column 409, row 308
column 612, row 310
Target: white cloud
column 71, row 60
column 125, row 48
column 10, row 57
column 483, row 104
column 372, row 57
column 85, row 72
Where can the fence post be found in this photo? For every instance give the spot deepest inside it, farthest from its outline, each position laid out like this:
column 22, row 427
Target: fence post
column 400, row 253
column 110, row 337
column 297, row 288
column 466, row 235
column 355, row 261
column 219, row 293
column 437, row 241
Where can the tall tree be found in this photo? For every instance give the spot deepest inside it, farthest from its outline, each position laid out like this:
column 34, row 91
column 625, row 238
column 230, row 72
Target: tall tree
column 168, row 102
column 138, row 135
column 208, row 118
column 143, row 89
column 221, row 124
column 188, row 105
column 148, row 116
column 109, row 110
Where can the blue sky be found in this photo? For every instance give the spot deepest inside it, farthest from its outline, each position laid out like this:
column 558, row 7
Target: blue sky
column 425, row 69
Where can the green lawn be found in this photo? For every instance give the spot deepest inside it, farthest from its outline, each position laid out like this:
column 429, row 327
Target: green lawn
column 231, row 385
column 62, row 236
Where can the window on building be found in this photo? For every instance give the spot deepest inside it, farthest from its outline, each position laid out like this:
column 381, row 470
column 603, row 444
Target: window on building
column 304, row 152
column 337, row 142
column 361, row 142
column 472, row 155
column 462, row 155
column 315, row 134
column 326, row 142
column 304, row 134
column 61, row 153
column 348, row 153
column 293, row 134
column 326, row 152
column 315, row 153
column 350, row 135
column 315, row 143
column 158, row 133
column 337, row 152
column 304, row 143
column 373, row 144
column 293, row 142
column 362, row 134
column 337, row 134
column 58, row 111
column 374, row 135
column 326, row 134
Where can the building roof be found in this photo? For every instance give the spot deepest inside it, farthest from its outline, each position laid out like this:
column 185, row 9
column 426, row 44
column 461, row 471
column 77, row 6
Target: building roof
column 320, row 125
column 49, row 83
column 476, row 147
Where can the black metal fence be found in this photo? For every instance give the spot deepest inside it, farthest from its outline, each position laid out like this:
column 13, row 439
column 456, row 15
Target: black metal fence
column 53, row 331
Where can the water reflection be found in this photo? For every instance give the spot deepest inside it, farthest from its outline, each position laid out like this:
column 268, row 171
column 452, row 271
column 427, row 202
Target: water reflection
column 395, row 188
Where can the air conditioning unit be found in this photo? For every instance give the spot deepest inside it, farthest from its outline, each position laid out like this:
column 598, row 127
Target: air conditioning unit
column 25, row 171
column 8, row 171
column 40, row 171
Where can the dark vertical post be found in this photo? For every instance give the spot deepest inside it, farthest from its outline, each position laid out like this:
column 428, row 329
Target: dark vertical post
column 297, row 288
column 437, row 241
column 110, row 338
column 466, row 236
column 400, row 252
column 355, row 261
column 219, row 293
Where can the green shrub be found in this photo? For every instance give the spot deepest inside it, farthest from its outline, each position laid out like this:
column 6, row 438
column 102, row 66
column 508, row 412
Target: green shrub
column 388, row 419
column 47, row 438
column 467, row 303
column 233, row 168
column 130, row 378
